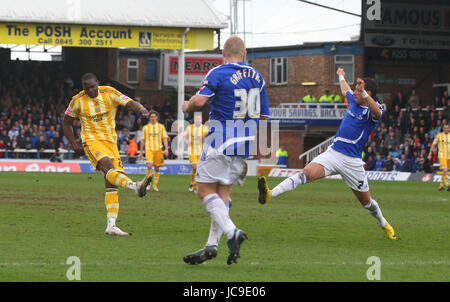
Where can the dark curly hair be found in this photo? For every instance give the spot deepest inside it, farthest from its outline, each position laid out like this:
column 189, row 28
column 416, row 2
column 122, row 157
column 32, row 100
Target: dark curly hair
column 370, row 85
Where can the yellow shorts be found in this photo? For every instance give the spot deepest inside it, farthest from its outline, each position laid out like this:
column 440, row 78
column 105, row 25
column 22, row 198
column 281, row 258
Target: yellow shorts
column 193, row 159
column 155, row 157
column 96, row 150
column 444, row 162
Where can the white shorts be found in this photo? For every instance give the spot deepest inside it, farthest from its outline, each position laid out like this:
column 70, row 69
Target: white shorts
column 215, row 167
column 350, row 168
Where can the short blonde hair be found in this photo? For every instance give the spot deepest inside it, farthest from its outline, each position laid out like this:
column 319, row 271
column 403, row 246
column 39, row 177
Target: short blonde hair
column 234, row 47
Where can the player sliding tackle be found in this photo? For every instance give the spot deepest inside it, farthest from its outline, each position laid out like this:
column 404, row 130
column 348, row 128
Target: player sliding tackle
column 343, row 156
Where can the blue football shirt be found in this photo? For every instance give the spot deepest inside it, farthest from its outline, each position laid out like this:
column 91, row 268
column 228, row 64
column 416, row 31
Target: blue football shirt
column 238, row 99
column 355, row 128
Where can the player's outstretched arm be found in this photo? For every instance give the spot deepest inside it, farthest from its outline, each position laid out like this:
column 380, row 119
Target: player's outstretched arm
column 342, row 82
column 196, row 101
column 137, row 107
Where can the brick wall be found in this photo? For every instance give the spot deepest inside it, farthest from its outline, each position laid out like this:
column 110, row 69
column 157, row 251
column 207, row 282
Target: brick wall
column 311, row 68
column 142, row 82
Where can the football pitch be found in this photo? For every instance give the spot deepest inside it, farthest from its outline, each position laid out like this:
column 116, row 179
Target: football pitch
column 318, row 232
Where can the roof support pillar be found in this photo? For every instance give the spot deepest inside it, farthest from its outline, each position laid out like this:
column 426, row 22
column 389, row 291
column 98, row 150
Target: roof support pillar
column 181, row 97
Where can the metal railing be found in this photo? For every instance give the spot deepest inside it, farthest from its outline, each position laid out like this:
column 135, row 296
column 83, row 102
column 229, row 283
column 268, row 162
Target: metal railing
column 316, row 150
column 314, row 105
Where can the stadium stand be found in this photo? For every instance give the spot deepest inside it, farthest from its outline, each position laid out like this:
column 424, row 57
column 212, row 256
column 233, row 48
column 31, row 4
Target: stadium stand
column 34, row 95
column 33, row 98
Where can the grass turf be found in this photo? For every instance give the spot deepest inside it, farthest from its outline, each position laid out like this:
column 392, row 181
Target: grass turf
column 318, row 232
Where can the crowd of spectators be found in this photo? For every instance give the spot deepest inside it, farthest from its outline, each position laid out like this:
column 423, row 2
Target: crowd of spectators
column 402, row 141
column 33, row 98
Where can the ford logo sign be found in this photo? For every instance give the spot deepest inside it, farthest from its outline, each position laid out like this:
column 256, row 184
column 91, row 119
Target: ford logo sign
column 383, row 40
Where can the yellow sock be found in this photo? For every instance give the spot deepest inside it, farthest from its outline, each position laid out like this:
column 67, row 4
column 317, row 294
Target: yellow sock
column 193, row 176
column 117, row 178
column 112, row 202
column 148, row 172
column 156, row 179
column 444, row 181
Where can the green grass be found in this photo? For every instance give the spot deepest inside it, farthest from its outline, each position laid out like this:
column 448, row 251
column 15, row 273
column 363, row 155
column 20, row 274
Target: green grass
column 318, row 232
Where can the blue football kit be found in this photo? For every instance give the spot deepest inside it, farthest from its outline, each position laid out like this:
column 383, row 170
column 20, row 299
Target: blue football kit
column 355, row 128
column 238, row 99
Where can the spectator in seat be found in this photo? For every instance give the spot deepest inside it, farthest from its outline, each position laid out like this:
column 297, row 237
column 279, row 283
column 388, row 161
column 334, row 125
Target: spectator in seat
column 406, row 164
column 391, row 142
column 388, row 165
column 52, row 144
column 399, row 100
column 414, row 99
column 383, row 150
column 370, row 163
column 2, row 146
column 123, row 147
column 41, row 145
column 437, row 103
column 378, row 162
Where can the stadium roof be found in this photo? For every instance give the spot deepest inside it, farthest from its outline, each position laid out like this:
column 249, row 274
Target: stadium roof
column 147, row 13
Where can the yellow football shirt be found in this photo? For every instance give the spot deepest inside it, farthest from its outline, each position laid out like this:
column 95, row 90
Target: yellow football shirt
column 443, row 142
column 153, row 136
column 195, row 135
column 97, row 116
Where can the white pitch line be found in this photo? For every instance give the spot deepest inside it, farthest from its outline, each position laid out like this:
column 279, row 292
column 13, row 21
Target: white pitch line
column 423, row 263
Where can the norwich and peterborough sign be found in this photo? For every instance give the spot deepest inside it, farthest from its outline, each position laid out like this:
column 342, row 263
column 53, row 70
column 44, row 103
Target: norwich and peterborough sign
column 104, row 36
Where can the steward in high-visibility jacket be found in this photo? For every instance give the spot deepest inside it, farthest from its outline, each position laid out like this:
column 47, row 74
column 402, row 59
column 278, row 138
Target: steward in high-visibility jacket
column 309, row 99
column 282, row 156
column 338, row 99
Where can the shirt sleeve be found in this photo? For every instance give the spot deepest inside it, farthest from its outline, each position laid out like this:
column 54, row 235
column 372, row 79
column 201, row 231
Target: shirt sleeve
column 381, row 116
column 436, row 140
column 209, row 84
column 73, row 110
column 118, row 97
column 350, row 96
column 264, row 102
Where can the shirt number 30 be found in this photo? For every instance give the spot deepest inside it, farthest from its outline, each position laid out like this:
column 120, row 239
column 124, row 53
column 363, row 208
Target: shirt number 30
column 249, row 103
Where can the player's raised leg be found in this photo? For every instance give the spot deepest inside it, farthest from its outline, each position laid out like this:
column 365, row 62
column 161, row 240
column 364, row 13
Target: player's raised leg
column 311, row 172
column 374, row 209
column 118, row 179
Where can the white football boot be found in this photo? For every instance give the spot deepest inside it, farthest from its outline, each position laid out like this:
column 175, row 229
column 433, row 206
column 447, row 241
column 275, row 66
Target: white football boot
column 114, row 230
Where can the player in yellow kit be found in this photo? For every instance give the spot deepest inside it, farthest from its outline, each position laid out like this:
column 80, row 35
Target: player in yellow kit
column 194, row 136
column 96, row 107
column 442, row 140
column 154, row 134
